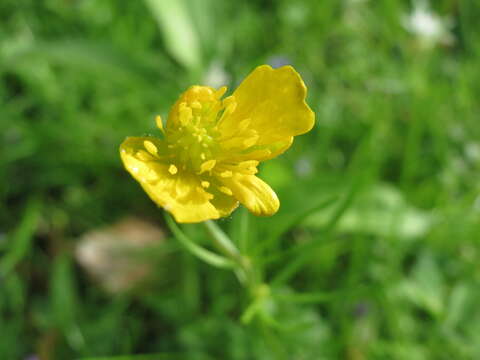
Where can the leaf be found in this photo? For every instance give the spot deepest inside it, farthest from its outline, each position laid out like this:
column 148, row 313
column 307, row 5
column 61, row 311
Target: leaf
column 381, row 210
column 178, row 32
column 426, row 287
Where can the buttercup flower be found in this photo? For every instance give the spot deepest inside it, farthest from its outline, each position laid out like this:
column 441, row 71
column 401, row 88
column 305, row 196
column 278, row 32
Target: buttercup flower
column 207, row 160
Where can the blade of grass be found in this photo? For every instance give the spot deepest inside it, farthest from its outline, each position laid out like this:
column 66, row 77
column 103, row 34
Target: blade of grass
column 294, row 251
column 294, row 220
column 321, row 297
column 305, row 252
column 20, row 240
column 181, row 38
column 362, row 173
column 63, row 295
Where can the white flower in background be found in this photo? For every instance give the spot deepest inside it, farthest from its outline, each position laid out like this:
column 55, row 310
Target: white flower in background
column 429, row 28
column 216, row 75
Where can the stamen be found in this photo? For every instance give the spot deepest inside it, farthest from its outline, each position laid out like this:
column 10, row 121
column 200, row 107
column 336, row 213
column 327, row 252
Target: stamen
column 248, row 167
column 226, row 174
column 196, row 105
column 243, row 125
column 220, row 92
column 207, row 166
column 172, row 169
column 150, row 146
column 158, row 120
column 251, row 139
column 225, row 190
column 185, row 114
column 205, row 184
column 230, row 104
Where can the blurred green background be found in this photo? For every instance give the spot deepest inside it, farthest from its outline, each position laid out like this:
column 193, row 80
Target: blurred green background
column 375, row 251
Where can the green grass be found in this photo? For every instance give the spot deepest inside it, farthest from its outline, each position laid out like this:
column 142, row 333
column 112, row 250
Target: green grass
column 374, row 253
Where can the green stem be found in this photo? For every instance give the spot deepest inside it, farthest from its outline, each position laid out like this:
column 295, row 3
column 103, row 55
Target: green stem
column 204, row 254
column 232, row 257
column 222, row 241
column 244, row 230
column 245, row 272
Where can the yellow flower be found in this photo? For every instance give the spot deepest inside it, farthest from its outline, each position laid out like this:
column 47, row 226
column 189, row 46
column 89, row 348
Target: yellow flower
column 207, row 160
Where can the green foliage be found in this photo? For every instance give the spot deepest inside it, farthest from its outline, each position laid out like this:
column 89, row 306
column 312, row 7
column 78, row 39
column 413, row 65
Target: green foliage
column 374, row 253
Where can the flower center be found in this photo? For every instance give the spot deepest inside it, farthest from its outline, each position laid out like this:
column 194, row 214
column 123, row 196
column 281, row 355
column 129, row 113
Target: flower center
column 192, row 133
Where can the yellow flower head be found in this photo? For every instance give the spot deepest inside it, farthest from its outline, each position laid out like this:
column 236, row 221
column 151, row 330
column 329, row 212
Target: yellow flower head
column 207, row 161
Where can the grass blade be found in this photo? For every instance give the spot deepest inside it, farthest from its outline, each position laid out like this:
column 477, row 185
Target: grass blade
column 21, row 239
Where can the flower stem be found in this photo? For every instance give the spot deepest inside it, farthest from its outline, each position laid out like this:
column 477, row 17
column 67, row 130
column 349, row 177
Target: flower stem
column 204, row 254
column 223, row 243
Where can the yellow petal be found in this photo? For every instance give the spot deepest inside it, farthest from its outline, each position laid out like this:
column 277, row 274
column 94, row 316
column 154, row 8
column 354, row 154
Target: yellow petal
column 224, row 203
column 254, row 193
column 179, row 193
column 274, row 101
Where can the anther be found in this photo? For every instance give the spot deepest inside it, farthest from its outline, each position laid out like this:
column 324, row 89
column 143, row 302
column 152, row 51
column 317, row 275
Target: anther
column 172, row 169
column 220, row 92
column 226, row 174
column 207, row 166
column 150, row 146
column 251, row 139
column 196, row 105
column 225, row 190
column 158, row 120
